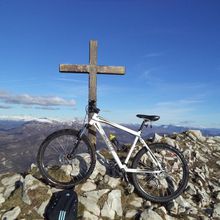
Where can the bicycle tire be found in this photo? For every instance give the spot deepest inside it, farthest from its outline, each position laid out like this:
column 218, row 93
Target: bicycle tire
column 171, row 191
column 61, row 174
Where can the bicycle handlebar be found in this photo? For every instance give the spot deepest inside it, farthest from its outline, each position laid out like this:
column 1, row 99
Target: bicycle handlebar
column 92, row 107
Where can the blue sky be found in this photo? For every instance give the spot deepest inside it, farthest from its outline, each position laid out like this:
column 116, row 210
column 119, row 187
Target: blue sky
column 171, row 51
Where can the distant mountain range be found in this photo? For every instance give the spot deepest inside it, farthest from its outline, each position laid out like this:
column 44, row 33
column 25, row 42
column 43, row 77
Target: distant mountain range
column 7, row 123
column 20, row 138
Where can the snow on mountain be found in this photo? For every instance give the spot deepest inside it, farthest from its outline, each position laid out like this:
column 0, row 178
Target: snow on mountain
column 26, row 118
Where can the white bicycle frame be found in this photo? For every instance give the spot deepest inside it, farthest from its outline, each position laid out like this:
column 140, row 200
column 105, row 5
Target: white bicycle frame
column 96, row 120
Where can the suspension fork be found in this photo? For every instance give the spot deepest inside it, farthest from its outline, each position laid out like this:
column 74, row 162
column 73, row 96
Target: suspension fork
column 77, row 142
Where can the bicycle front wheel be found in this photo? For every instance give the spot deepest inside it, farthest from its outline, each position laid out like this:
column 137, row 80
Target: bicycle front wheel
column 58, row 167
column 164, row 186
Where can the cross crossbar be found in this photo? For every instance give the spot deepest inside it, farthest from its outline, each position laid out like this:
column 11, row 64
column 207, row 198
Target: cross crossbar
column 74, row 68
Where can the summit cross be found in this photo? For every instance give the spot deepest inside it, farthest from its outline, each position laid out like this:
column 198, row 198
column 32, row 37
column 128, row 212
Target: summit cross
column 92, row 69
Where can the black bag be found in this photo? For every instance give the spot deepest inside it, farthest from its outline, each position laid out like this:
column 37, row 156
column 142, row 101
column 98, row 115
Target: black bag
column 62, row 206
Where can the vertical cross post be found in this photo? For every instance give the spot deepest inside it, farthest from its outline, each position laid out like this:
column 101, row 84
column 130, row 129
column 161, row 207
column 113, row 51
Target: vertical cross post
column 92, row 69
column 92, row 84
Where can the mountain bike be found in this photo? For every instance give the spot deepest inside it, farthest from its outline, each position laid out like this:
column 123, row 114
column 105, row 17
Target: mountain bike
column 158, row 171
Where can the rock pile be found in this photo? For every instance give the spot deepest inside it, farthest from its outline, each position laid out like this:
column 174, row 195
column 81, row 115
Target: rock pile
column 25, row 196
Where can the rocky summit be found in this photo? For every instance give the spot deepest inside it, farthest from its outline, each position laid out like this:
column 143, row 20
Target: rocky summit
column 102, row 196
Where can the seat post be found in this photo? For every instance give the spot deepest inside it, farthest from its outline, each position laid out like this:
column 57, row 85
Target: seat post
column 142, row 125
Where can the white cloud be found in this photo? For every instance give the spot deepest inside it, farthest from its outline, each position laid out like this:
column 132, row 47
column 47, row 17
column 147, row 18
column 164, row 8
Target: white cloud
column 26, row 99
column 47, row 108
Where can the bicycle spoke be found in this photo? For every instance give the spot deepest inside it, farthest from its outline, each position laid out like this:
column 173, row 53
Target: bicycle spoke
column 163, row 185
column 61, row 146
column 55, row 149
column 59, row 167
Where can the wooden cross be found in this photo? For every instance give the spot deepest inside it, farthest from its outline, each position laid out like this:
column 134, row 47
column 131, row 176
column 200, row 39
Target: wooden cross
column 92, row 69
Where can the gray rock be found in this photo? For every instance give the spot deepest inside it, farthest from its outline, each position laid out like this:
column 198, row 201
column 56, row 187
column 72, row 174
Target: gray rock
column 99, row 169
column 192, row 210
column 202, row 158
column 150, row 215
column 88, row 216
column 72, row 169
column 95, row 195
column 34, row 166
column 206, row 170
column 210, row 141
column 173, row 207
column 137, row 202
column 191, row 218
column 216, row 154
column 2, row 199
column 200, row 173
column 10, row 183
column 13, row 214
column 147, row 204
column 162, row 211
column 32, row 184
column 88, row 186
column 169, row 141
column 191, row 189
column 187, row 154
column 130, row 214
column 9, row 191
column 216, row 213
column 29, row 184
column 196, row 134
column 42, row 207
column 218, row 163
column 90, row 200
column 182, row 202
column 214, row 186
column 111, row 181
column 157, row 138
column 216, row 147
column 113, row 205
column 205, row 198
column 90, row 205
column 168, row 217
column 2, row 189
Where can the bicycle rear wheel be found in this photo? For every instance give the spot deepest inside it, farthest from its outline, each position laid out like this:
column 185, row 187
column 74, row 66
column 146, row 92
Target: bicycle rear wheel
column 55, row 163
column 167, row 185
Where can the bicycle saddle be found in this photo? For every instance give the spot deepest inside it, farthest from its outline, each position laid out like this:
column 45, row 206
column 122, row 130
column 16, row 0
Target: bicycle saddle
column 149, row 117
